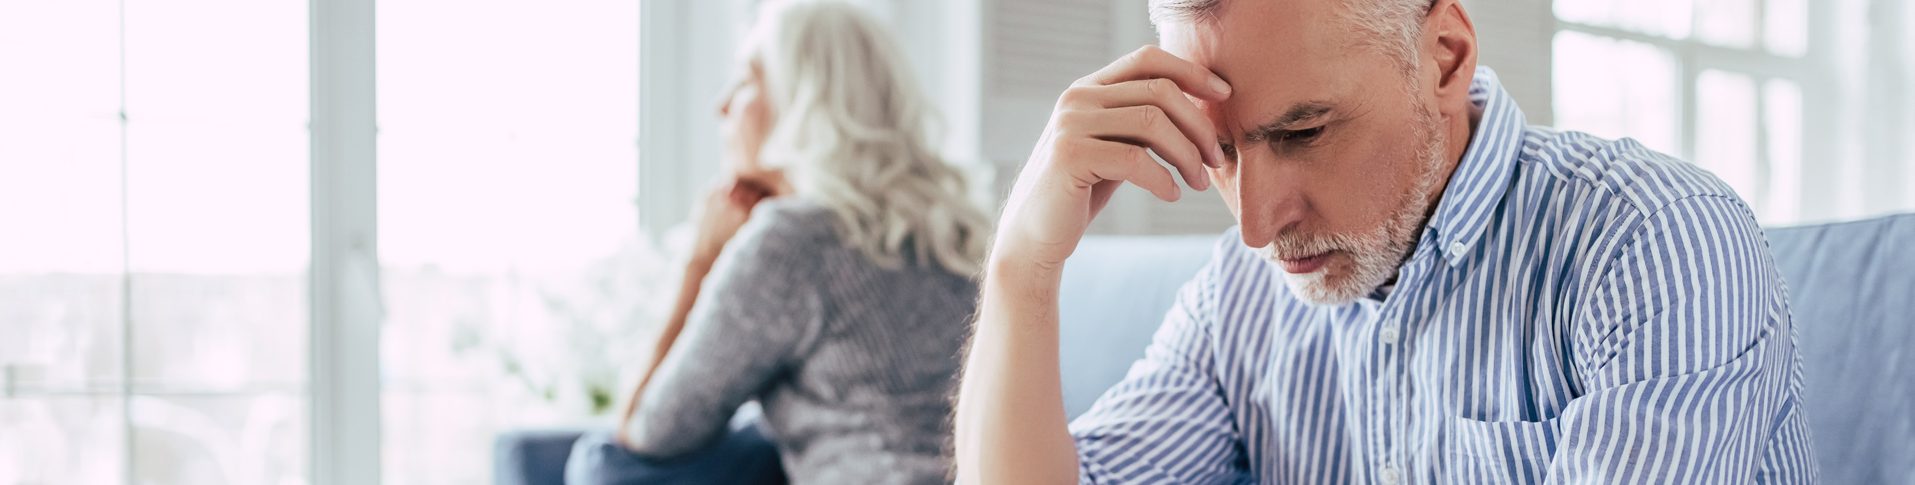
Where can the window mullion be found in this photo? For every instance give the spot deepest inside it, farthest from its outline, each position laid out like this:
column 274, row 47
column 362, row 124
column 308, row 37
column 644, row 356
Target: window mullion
column 1764, row 202
column 126, row 275
column 1691, row 72
column 345, row 316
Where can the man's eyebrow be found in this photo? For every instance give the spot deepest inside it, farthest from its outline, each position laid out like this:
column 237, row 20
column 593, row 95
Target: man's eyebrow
column 1297, row 115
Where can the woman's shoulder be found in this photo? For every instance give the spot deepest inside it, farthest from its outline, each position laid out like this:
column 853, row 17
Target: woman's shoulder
column 791, row 209
column 789, row 223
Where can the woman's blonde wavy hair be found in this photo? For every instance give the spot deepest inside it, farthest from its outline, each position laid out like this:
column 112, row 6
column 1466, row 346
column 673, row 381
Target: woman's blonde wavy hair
column 853, row 132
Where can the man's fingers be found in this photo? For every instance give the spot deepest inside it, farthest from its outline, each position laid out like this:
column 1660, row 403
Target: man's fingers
column 1129, row 163
column 1145, row 125
column 1163, row 94
column 1151, row 62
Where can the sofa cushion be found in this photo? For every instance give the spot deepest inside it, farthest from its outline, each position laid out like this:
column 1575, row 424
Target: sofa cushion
column 532, row 456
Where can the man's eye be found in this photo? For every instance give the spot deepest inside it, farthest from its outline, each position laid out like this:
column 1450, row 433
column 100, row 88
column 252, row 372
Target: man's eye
column 1300, row 136
column 1229, row 151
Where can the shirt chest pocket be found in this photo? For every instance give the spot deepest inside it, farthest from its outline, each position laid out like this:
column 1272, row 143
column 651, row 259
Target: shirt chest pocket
column 1496, row 452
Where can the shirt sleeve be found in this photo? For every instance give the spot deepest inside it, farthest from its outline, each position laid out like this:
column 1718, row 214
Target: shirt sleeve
column 1685, row 353
column 753, row 315
column 1167, row 420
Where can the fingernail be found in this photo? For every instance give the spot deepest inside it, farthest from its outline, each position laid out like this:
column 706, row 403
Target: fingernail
column 1216, row 157
column 1218, row 84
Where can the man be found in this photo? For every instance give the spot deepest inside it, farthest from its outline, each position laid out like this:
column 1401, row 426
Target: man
column 1463, row 299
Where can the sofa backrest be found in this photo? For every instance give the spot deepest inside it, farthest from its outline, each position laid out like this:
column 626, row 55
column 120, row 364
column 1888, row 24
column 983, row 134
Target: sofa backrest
column 1852, row 292
column 1115, row 293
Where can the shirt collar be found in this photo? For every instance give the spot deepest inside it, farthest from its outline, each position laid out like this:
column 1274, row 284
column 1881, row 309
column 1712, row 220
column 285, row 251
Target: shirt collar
column 1482, row 176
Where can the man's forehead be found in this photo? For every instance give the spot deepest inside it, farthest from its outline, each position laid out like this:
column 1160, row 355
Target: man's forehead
column 1273, row 58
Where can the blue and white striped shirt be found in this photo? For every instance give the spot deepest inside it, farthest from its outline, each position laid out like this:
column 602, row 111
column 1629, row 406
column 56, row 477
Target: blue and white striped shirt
column 1578, row 310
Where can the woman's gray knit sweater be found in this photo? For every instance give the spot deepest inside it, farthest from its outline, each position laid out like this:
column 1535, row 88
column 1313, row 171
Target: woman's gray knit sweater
column 853, row 363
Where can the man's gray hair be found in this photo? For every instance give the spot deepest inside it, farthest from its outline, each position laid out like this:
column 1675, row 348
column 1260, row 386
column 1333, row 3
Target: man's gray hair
column 1391, row 25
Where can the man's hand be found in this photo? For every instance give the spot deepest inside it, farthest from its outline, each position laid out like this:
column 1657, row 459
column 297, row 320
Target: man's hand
column 1010, row 421
column 1096, row 139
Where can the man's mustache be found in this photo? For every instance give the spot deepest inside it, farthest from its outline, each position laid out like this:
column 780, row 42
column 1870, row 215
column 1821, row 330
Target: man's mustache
column 1296, row 247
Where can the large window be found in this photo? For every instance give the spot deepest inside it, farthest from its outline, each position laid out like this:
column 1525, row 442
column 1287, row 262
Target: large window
column 155, row 234
column 1718, row 82
column 1797, row 104
column 153, row 241
column 507, row 191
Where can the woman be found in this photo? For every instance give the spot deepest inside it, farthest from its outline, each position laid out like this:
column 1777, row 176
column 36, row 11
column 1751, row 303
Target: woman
column 832, row 278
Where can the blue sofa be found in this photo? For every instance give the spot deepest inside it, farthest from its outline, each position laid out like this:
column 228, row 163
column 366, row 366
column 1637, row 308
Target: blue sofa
column 1852, row 289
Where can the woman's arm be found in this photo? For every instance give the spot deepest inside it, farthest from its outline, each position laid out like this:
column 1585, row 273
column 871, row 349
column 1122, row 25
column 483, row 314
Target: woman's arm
column 757, row 312
column 688, row 286
column 719, row 216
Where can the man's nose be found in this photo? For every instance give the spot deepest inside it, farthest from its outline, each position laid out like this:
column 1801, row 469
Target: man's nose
column 1270, row 200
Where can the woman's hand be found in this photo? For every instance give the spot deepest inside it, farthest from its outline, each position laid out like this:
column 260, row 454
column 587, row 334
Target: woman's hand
column 725, row 209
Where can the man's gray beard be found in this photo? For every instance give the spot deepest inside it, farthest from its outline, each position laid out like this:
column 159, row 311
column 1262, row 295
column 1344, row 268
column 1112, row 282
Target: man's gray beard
column 1376, row 254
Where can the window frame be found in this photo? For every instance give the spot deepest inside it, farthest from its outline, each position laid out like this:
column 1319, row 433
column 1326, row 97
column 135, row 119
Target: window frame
column 343, row 344
column 1695, row 56
column 1852, row 132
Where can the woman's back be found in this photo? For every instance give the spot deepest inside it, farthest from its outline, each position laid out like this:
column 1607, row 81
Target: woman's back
column 853, row 363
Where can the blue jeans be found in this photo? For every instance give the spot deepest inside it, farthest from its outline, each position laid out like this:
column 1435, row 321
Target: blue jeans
column 745, row 457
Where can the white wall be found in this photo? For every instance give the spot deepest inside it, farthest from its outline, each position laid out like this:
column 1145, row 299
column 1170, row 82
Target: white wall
column 1513, row 37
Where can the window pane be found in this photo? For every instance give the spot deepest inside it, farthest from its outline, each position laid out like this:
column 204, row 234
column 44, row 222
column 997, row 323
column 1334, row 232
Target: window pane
column 218, row 224
column 1726, row 131
column 61, row 257
column 60, row 181
column 205, row 197
column 64, row 439
column 226, row 332
column 217, row 198
column 80, row 79
column 1615, row 88
column 226, row 63
column 485, row 130
column 444, row 434
column 216, row 135
column 218, row 440
column 507, row 176
column 1663, row 18
column 1729, row 23
column 1785, row 27
column 1782, row 118
column 63, row 330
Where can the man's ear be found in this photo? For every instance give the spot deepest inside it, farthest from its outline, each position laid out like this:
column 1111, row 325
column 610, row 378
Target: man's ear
column 1449, row 42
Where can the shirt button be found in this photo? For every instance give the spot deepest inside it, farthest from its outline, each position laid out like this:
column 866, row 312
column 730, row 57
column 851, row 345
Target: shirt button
column 1388, row 335
column 1456, row 249
column 1388, row 475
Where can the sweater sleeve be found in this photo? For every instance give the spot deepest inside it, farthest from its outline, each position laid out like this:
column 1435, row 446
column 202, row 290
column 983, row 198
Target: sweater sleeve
column 754, row 311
